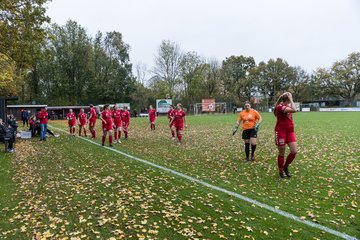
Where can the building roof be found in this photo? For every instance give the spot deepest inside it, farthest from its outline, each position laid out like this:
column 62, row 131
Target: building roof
column 26, row 106
column 48, row 107
column 66, row 107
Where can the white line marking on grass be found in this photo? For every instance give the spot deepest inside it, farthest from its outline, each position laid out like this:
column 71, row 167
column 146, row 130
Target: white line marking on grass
column 236, row 195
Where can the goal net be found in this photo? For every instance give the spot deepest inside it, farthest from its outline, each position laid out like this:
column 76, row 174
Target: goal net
column 218, row 107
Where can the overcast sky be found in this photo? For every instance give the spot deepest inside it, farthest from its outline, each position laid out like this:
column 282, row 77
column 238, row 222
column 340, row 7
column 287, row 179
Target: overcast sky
column 306, row 33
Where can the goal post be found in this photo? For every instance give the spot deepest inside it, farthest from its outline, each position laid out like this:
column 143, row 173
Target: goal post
column 218, row 107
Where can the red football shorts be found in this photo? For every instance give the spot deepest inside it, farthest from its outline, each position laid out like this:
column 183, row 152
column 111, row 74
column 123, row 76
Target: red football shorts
column 284, row 137
column 108, row 126
column 125, row 125
column 72, row 123
column 179, row 127
column 117, row 124
column 92, row 123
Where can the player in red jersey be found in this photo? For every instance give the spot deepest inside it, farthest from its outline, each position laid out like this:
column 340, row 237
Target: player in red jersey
column 152, row 117
column 107, row 124
column 43, row 116
column 92, row 121
column 82, row 121
column 117, row 123
column 284, row 132
column 125, row 118
column 170, row 115
column 179, row 120
column 71, row 117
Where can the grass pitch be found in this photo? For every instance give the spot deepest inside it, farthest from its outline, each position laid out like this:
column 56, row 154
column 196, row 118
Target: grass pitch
column 66, row 187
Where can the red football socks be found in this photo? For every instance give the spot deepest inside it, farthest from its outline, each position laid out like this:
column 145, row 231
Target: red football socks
column 281, row 163
column 179, row 137
column 289, row 159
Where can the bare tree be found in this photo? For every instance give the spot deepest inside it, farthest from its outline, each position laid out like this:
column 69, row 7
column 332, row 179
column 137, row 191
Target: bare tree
column 141, row 72
column 168, row 64
column 214, row 77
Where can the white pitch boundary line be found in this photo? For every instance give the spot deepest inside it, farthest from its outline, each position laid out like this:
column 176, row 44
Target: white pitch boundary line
column 236, row 195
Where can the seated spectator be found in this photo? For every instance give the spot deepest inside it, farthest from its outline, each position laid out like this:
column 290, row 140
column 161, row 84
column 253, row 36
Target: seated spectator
column 12, row 123
column 35, row 128
column 7, row 133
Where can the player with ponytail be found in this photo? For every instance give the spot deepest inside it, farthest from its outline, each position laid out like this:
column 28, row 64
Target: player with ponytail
column 284, row 132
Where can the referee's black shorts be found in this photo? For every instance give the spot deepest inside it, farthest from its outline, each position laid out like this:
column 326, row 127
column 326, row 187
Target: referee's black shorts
column 249, row 133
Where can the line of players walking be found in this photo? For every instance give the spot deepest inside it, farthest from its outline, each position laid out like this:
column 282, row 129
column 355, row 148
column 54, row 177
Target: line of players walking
column 117, row 120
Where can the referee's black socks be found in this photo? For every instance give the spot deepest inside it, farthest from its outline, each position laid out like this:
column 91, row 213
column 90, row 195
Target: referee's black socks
column 253, row 148
column 247, row 150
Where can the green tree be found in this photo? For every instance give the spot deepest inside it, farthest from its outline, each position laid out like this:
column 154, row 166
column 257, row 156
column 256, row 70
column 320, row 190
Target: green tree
column 322, row 83
column 235, row 75
column 191, row 77
column 212, row 79
column 273, row 78
column 341, row 81
column 118, row 69
column 300, row 84
column 345, row 78
column 64, row 71
column 77, row 70
column 21, row 28
column 142, row 96
column 7, row 76
column 21, row 33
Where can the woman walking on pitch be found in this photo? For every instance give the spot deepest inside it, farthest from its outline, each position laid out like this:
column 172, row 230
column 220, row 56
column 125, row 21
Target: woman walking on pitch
column 92, row 121
column 107, row 125
column 152, row 117
column 71, row 117
column 179, row 120
column 117, row 123
column 284, row 132
column 125, row 118
column 251, row 120
column 82, row 121
column 170, row 115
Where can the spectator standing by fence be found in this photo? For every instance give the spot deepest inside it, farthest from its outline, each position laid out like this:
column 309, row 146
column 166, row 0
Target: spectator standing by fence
column 43, row 117
column 25, row 117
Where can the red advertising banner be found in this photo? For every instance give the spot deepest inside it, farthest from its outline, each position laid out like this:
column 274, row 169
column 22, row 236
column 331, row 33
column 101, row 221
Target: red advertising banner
column 208, row 105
